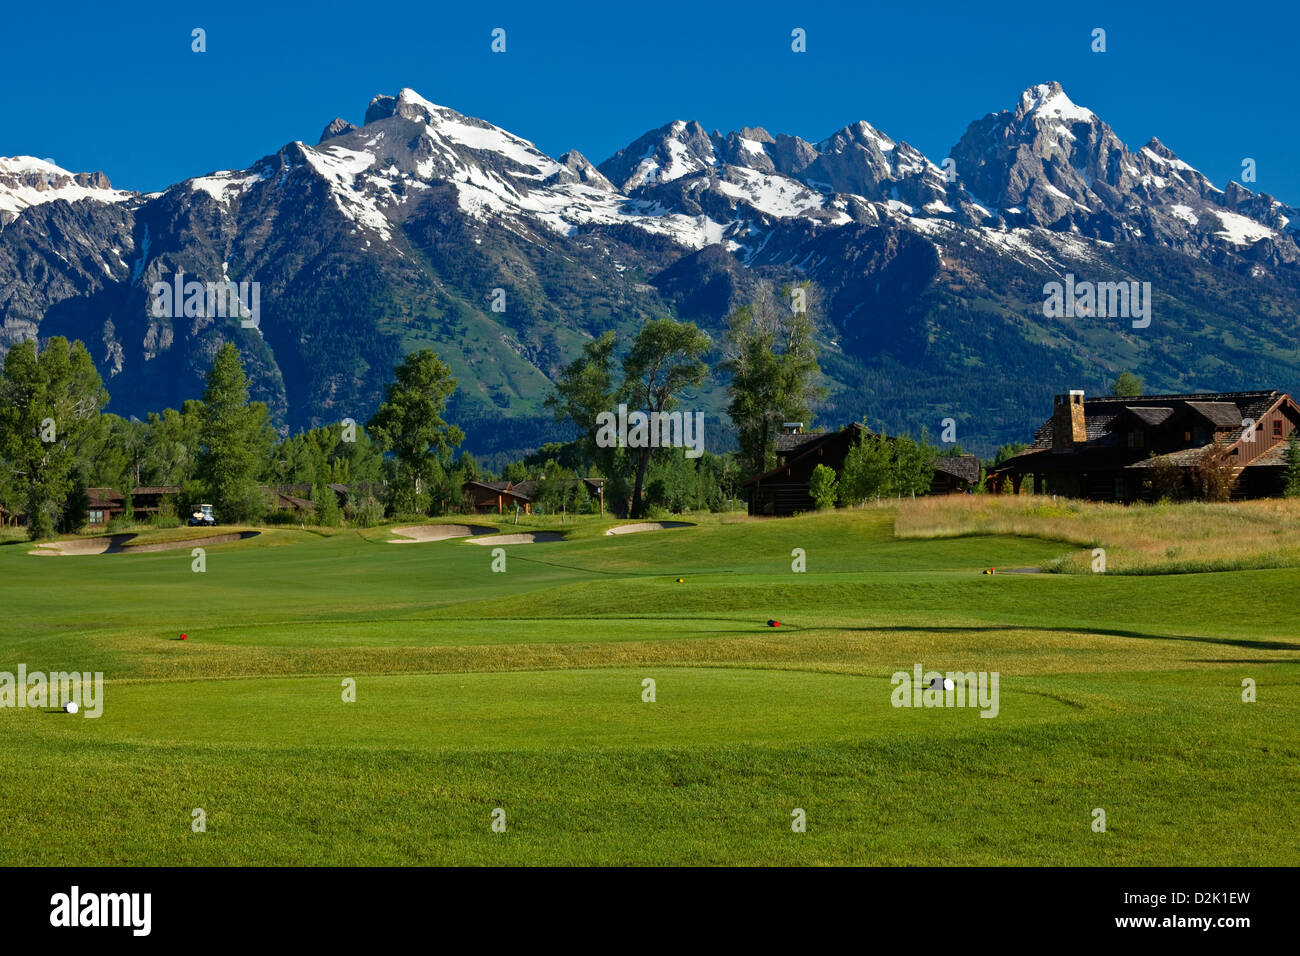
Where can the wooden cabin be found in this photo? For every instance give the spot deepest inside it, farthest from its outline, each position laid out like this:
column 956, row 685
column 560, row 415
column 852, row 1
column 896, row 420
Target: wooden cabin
column 1112, row 449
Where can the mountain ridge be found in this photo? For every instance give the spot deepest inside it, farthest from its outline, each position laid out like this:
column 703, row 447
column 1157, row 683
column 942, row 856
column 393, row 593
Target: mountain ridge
column 397, row 233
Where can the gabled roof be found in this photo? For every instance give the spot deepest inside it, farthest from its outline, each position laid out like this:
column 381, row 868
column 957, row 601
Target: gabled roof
column 1221, row 414
column 788, row 443
column 524, row 490
column 806, row 449
column 1184, row 457
column 1100, row 414
column 498, row 487
column 1146, row 414
column 966, row 467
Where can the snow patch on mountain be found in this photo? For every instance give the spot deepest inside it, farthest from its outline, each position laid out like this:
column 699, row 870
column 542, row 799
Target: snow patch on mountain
column 776, row 196
column 1239, row 230
column 221, row 186
column 342, row 169
column 27, row 181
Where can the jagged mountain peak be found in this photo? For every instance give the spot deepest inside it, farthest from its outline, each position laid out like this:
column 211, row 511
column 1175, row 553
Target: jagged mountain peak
column 757, row 134
column 336, row 127
column 676, row 149
column 1050, row 100
column 861, row 134
column 583, row 171
column 26, row 181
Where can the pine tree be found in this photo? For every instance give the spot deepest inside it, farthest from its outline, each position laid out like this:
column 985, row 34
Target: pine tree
column 409, row 424
column 1291, row 477
column 235, row 441
column 772, row 360
column 327, row 506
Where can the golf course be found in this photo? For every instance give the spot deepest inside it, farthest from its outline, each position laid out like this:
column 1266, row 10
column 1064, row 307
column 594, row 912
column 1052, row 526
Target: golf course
column 511, row 686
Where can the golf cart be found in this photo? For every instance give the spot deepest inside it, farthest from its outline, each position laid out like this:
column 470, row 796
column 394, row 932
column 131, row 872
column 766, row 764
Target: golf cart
column 202, row 515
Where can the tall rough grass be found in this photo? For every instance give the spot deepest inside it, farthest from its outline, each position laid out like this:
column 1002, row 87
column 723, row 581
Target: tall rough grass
column 1138, row 539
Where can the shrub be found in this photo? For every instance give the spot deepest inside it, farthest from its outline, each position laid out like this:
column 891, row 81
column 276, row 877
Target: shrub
column 368, row 513
column 1166, row 480
column 1213, row 475
column 327, row 506
column 824, row 487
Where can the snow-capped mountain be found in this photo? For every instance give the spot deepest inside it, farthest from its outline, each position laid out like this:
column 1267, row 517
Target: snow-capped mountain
column 1053, row 164
column 26, row 181
column 399, row 231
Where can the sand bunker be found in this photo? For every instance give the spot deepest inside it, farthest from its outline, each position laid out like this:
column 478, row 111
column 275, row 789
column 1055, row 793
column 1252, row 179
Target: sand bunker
column 531, row 537
column 649, row 526
column 414, row 534
column 117, row 544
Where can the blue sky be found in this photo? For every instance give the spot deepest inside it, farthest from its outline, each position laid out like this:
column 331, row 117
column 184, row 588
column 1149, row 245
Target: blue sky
column 122, row 92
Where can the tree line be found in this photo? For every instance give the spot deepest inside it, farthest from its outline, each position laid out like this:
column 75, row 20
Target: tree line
column 56, row 440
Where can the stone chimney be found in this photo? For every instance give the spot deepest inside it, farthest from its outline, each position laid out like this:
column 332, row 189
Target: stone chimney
column 1069, row 428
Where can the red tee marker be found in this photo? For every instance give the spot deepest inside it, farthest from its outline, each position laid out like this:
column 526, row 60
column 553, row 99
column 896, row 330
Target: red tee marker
column 184, row 637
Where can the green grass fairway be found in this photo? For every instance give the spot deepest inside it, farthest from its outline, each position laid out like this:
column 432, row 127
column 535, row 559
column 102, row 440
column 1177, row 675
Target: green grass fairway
column 522, row 690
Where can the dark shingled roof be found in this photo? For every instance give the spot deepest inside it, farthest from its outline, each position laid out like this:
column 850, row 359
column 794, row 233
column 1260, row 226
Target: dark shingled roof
column 788, row 443
column 1184, row 458
column 966, row 467
column 1100, row 413
column 1151, row 416
column 525, row 490
column 1275, row 457
column 1222, row 414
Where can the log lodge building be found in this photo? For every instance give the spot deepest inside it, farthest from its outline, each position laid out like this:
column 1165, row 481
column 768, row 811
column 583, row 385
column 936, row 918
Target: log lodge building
column 1110, row 449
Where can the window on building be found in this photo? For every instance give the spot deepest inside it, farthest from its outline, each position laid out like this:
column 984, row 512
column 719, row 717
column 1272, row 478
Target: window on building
column 1277, row 428
column 97, row 517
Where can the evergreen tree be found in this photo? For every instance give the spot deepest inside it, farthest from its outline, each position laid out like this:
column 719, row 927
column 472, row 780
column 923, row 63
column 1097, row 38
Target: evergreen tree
column 409, row 424
column 235, row 441
column 772, row 360
column 327, row 506
column 1291, row 479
